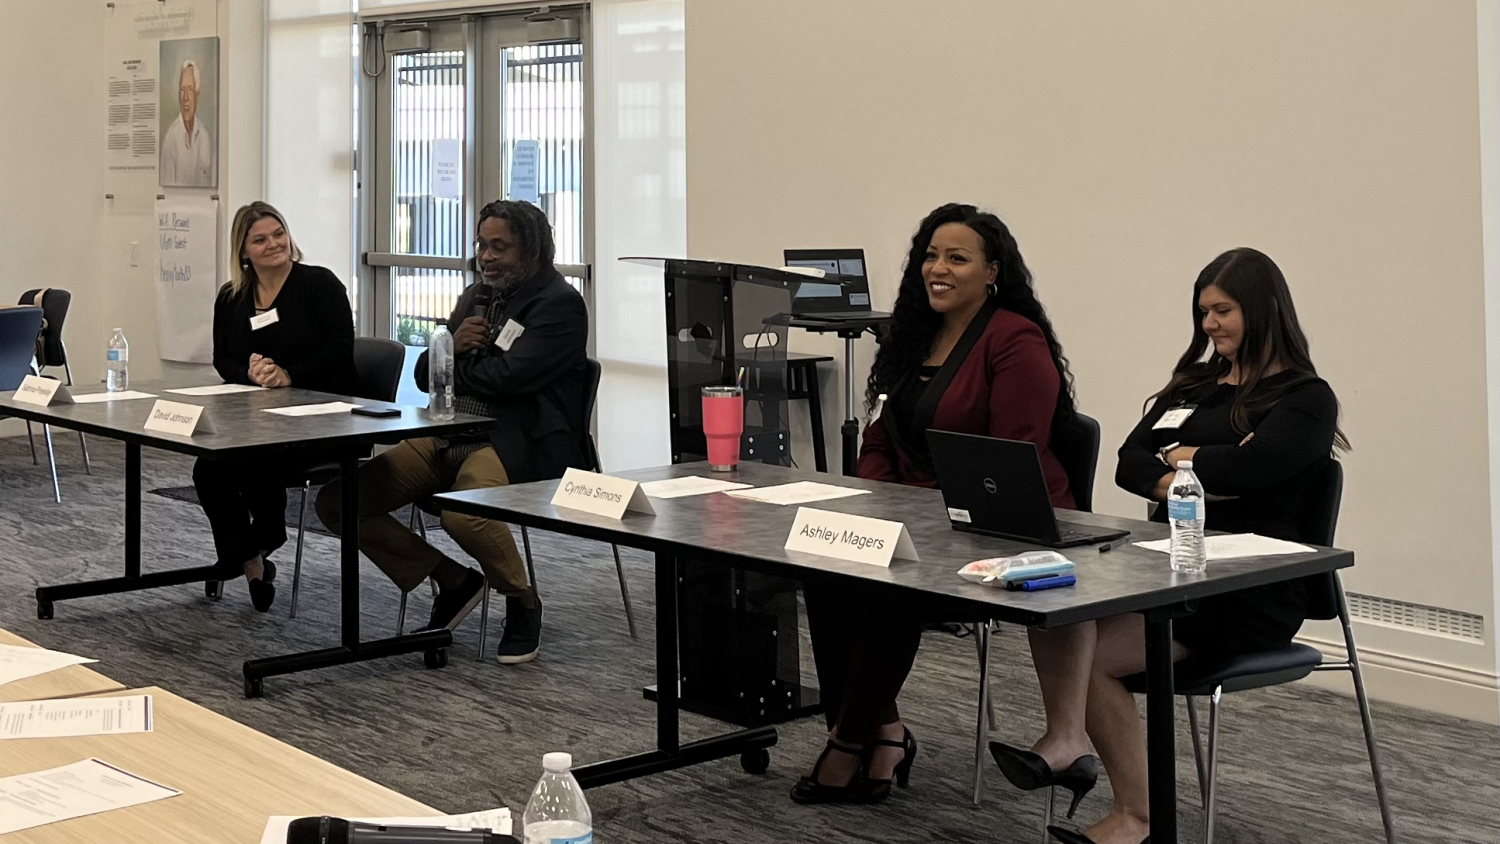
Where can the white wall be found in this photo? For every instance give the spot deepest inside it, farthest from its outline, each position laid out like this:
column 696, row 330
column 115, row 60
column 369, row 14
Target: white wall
column 1127, row 144
column 56, row 227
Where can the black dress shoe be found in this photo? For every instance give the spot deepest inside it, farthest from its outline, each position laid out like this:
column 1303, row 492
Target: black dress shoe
column 808, row 791
column 262, row 590
column 1028, row 771
column 1068, row 836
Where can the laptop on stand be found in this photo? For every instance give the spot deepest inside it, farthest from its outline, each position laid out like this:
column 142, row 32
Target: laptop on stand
column 996, row 487
column 832, row 302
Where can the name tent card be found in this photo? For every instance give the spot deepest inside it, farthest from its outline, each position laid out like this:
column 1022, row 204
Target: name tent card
column 600, row 494
column 41, row 391
column 858, row 539
column 170, row 417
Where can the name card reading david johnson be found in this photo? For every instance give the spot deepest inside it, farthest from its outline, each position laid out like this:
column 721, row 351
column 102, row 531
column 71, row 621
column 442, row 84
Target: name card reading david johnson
column 858, row 539
column 170, row 417
column 601, row 495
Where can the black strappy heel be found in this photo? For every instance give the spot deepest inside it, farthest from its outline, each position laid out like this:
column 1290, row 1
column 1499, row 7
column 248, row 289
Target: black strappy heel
column 808, row 791
column 873, row 791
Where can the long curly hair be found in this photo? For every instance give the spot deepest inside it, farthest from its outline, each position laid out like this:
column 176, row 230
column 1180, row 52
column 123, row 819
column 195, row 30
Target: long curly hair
column 915, row 324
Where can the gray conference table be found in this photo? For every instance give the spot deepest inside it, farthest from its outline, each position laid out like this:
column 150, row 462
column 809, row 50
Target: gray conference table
column 721, row 529
column 243, row 430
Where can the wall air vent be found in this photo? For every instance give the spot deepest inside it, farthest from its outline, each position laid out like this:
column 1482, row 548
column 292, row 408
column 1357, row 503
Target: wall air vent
column 1436, row 621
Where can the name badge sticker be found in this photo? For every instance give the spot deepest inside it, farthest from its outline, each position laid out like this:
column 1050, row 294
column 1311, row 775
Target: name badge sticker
column 508, row 335
column 41, row 391
column 170, row 417
column 600, row 494
column 260, row 321
column 1173, row 419
column 858, row 539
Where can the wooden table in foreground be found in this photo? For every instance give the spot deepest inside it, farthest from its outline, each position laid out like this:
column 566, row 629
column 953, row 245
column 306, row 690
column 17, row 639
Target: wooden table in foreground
column 232, row 779
column 72, row 681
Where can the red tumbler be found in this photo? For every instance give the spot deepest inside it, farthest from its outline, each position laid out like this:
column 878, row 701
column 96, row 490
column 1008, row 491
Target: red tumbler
column 723, row 425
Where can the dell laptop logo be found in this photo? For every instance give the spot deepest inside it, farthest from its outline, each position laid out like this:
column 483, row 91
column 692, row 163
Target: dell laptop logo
column 989, row 485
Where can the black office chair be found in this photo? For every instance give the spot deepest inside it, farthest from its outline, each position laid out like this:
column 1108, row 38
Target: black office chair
column 1215, row 678
column 590, row 454
column 377, row 366
column 1076, row 446
column 18, row 333
column 54, row 303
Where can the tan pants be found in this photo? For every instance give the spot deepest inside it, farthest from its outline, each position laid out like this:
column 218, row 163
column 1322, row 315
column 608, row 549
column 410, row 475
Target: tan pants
column 412, row 471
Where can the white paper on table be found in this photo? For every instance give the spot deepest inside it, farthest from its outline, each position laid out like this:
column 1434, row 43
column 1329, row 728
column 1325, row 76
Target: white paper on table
column 215, row 390
column 801, row 492
column 495, row 820
column 683, row 487
column 72, row 791
column 18, row 662
column 96, row 398
column 86, row 716
column 1232, row 546
column 313, row 409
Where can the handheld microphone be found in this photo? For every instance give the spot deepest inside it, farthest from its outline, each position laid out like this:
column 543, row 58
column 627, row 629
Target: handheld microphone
column 327, row 830
column 482, row 299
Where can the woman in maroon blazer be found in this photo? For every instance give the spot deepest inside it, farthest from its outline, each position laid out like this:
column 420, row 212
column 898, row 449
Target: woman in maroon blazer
column 970, row 350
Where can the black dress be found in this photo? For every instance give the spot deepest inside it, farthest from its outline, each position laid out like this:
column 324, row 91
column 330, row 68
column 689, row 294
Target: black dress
column 1293, row 417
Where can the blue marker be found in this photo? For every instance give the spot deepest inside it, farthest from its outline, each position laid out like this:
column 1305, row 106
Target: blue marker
column 1040, row 583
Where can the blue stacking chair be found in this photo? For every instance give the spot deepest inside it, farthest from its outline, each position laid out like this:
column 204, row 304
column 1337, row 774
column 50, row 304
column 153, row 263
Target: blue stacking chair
column 19, row 328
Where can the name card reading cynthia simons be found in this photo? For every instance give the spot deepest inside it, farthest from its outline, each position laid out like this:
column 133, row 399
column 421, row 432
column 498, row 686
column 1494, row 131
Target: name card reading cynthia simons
column 600, row 494
column 858, row 539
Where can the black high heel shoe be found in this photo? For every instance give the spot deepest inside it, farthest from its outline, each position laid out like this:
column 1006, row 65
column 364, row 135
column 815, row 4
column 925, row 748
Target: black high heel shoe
column 263, row 591
column 1029, row 772
column 873, row 791
column 1068, row 836
column 808, row 791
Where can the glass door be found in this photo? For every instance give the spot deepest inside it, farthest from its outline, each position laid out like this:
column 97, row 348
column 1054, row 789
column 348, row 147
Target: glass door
column 458, row 111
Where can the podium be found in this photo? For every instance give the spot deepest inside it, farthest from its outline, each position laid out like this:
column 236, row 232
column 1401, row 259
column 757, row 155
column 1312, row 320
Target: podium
column 737, row 639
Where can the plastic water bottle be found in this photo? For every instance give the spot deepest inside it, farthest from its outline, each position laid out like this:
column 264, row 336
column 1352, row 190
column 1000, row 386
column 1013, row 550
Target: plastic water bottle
column 440, row 375
column 557, row 812
column 1185, row 512
column 117, row 363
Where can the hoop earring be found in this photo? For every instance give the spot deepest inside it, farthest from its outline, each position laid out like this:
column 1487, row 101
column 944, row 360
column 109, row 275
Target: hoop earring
column 991, row 289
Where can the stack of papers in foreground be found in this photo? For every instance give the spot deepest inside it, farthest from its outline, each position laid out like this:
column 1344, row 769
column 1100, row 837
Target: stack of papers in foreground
column 18, row 662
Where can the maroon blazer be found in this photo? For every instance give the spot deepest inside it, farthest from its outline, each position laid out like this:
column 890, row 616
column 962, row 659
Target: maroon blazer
column 999, row 381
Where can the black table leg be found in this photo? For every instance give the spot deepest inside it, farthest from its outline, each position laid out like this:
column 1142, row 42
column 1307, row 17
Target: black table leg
column 133, row 581
column 1161, row 749
column 815, row 416
column 433, row 643
column 751, row 745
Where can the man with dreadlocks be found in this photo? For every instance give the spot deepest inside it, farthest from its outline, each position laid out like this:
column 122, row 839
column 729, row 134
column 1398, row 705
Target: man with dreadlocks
column 520, row 359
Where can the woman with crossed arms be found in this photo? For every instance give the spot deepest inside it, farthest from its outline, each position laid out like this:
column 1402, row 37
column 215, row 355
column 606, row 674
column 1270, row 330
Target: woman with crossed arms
column 1258, row 426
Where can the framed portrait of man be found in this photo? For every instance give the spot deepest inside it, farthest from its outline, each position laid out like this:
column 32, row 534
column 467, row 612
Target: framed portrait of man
column 189, row 113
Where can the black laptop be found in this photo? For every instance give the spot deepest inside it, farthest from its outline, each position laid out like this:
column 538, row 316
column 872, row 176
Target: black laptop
column 996, row 487
column 832, row 302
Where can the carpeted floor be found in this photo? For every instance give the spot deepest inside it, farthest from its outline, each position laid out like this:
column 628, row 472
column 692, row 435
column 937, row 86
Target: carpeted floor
column 471, row 736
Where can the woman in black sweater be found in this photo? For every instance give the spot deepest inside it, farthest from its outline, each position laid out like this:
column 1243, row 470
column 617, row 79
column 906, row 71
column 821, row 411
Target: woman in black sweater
column 277, row 323
column 1258, row 425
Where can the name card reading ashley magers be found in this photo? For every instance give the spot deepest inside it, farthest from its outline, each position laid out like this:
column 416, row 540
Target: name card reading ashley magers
column 858, row 539
column 600, row 494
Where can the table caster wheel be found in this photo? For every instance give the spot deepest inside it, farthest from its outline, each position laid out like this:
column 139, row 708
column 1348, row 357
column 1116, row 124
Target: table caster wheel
column 255, row 688
column 756, row 761
column 213, row 589
column 44, row 610
column 436, row 658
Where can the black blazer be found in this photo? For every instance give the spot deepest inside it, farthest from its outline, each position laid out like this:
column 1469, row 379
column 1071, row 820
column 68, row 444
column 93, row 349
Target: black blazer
column 538, row 386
